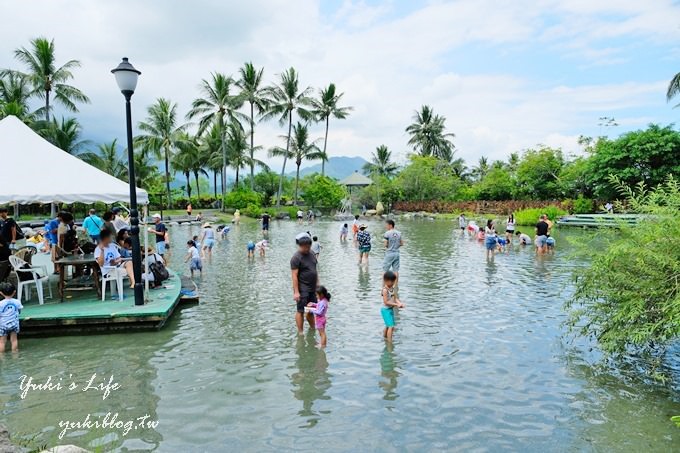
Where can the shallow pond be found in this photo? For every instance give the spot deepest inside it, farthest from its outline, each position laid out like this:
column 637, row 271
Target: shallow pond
column 479, row 361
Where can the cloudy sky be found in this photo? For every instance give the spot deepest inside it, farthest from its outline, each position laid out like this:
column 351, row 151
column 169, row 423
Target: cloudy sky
column 506, row 74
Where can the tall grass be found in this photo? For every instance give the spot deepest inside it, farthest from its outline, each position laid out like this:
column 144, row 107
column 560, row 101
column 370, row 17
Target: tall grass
column 530, row 216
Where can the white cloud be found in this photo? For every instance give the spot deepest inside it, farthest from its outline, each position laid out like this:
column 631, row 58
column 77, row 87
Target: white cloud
column 388, row 63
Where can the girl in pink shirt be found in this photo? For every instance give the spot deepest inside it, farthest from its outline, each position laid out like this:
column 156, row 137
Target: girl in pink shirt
column 319, row 310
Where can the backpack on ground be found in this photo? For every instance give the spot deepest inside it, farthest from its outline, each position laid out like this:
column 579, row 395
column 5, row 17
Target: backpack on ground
column 159, row 271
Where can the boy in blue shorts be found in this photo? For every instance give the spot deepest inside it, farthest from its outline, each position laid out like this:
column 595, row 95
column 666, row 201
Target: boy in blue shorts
column 251, row 249
column 9, row 317
column 390, row 301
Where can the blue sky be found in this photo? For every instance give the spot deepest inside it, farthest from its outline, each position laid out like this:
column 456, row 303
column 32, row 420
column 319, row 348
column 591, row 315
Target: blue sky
column 507, row 75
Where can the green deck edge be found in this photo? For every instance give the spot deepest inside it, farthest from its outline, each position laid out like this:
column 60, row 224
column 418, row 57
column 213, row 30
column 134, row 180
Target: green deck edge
column 85, row 312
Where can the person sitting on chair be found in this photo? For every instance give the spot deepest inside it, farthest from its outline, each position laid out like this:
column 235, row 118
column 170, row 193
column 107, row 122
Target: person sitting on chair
column 108, row 257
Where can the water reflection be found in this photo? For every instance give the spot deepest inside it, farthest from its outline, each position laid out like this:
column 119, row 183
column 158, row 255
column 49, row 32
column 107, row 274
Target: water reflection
column 311, row 381
column 388, row 370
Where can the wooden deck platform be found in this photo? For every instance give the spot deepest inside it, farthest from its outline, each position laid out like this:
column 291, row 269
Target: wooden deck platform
column 84, row 312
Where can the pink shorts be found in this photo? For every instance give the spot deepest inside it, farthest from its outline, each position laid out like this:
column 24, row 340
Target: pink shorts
column 320, row 323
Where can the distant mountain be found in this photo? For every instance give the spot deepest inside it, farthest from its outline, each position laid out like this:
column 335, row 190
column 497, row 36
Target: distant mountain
column 336, row 167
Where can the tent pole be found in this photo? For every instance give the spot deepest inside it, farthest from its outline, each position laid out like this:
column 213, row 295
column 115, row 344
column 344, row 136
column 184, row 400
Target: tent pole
column 146, row 249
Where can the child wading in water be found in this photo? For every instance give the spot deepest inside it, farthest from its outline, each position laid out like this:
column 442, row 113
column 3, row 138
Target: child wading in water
column 9, row 317
column 390, row 301
column 194, row 256
column 319, row 310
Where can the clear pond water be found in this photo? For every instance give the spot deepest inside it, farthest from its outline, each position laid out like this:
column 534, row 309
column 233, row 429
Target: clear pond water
column 479, row 361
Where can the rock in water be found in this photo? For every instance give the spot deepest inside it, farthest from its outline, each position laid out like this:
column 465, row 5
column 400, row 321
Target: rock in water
column 5, row 445
column 379, row 208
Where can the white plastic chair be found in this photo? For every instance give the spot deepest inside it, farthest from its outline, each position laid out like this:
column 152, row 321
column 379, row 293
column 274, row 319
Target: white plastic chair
column 22, row 267
column 112, row 274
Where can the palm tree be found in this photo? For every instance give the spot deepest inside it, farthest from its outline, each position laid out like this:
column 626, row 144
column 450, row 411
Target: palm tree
column 65, row 134
column 381, row 163
column 108, row 159
column 325, row 107
column 460, row 169
column 482, row 168
column 216, row 104
column 189, row 159
column 286, row 98
column 211, row 150
column 301, row 149
column 252, row 92
column 162, row 134
column 14, row 94
column 673, row 87
column 46, row 78
column 146, row 171
column 181, row 162
column 513, row 162
column 428, row 136
column 237, row 150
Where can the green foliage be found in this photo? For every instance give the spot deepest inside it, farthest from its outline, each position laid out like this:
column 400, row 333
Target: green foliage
column 647, row 156
column 583, row 205
column 629, row 297
column 252, row 210
column 427, row 178
column 323, row 191
column 529, row 217
column 538, row 174
column 242, row 198
column 676, row 419
column 498, row 184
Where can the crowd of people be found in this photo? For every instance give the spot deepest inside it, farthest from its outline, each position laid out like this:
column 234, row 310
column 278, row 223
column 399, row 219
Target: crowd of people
column 495, row 242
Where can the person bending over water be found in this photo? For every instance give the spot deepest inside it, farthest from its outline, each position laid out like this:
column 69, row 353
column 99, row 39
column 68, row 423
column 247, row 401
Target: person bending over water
column 390, row 302
column 524, row 239
column 319, row 310
column 305, row 280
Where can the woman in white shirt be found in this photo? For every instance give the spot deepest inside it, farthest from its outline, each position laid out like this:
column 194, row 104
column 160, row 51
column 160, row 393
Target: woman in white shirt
column 510, row 229
column 107, row 256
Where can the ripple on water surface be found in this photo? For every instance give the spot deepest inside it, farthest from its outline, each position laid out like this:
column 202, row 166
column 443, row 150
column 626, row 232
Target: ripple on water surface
column 478, row 362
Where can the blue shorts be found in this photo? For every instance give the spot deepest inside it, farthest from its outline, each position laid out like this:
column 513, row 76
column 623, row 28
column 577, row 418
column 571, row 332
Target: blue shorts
column 388, row 316
column 541, row 241
column 7, row 329
column 95, row 238
column 490, row 243
column 209, row 244
column 502, row 241
column 265, row 227
column 251, row 247
column 160, row 248
column 391, row 261
column 196, row 264
column 550, row 242
column 364, row 249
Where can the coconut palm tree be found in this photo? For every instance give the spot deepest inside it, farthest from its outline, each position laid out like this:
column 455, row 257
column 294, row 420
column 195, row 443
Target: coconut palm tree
column 46, row 78
column 301, row 149
column 428, row 136
column 146, row 171
column 65, row 134
column 673, row 88
column 381, row 163
column 238, row 151
column 15, row 92
column 287, row 98
column 482, row 168
column 107, row 158
column 216, row 106
column 161, row 135
column 252, row 92
column 325, row 107
column 181, row 162
column 211, row 150
column 460, row 169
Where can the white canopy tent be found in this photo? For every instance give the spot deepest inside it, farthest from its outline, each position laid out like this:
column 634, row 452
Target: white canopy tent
column 35, row 171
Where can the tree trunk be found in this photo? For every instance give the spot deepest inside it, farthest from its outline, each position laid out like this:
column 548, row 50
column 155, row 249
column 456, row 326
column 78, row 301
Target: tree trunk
column 47, row 106
column 188, row 176
column 285, row 158
column 325, row 142
column 224, row 161
column 297, row 181
column 236, row 182
column 167, row 177
column 198, row 188
column 252, row 147
column 215, row 182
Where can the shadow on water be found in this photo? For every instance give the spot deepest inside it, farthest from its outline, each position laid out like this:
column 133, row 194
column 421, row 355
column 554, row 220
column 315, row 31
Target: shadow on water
column 311, row 380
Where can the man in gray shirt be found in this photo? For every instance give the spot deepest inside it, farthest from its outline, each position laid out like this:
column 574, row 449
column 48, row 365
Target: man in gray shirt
column 305, row 280
column 393, row 243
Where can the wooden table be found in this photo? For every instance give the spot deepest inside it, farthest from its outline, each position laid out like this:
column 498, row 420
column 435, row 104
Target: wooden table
column 78, row 260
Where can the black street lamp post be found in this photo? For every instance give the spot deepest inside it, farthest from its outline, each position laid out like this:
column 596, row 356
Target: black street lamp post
column 126, row 77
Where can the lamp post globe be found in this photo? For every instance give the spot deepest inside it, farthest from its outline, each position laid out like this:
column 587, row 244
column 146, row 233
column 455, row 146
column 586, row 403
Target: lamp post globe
column 126, row 78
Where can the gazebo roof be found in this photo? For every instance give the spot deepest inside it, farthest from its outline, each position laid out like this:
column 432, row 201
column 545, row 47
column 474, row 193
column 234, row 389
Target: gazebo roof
column 356, row 179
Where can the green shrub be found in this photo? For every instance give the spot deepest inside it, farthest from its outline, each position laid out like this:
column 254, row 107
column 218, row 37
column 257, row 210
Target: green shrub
column 252, row 210
column 583, row 205
column 242, row 198
column 530, row 216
